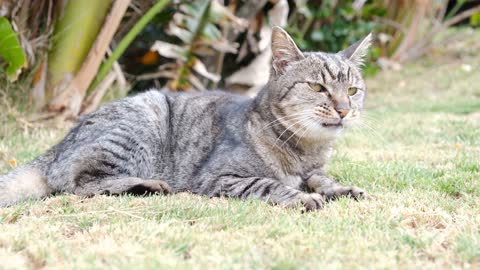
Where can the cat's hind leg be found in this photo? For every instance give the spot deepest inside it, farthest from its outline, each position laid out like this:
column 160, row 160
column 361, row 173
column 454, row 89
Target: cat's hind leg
column 103, row 168
column 122, row 185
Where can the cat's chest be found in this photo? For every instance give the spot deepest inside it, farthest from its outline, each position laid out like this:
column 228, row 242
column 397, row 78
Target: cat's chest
column 301, row 167
column 293, row 181
column 298, row 174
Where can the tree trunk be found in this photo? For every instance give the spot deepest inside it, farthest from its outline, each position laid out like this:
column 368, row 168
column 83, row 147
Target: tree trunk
column 69, row 101
column 73, row 37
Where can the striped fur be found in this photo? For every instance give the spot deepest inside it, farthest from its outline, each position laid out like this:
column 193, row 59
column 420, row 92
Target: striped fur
column 273, row 147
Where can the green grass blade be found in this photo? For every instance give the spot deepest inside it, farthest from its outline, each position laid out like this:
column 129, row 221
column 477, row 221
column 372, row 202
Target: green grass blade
column 122, row 46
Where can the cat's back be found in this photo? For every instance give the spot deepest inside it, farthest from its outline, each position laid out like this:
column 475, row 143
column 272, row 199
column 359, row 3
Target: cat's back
column 155, row 105
column 205, row 111
column 202, row 102
column 185, row 114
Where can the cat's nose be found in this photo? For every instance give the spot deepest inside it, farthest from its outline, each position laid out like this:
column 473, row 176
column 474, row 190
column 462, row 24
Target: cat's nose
column 342, row 112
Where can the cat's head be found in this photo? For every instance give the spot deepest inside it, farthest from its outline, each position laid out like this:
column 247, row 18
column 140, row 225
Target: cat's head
column 316, row 93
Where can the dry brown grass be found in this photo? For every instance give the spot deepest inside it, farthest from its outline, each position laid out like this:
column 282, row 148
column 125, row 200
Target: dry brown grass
column 420, row 163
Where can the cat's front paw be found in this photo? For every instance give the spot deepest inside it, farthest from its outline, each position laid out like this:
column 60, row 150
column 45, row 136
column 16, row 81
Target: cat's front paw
column 312, row 201
column 150, row 187
column 332, row 193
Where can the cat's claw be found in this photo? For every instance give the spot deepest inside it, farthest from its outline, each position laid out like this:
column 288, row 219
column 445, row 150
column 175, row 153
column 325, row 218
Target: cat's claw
column 335, row 192
column 152, row 187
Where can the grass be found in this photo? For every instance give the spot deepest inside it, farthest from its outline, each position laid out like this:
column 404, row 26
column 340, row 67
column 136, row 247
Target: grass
column 419, row 158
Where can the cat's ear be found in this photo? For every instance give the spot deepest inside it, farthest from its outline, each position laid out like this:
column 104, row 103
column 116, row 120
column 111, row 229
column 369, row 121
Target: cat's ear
column 284, row 50
column 357, row 52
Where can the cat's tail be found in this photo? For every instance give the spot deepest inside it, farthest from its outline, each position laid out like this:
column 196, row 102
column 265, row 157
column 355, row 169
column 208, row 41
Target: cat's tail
column 25, row 182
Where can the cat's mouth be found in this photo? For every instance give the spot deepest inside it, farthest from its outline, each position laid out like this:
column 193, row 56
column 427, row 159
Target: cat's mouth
column 337, row 125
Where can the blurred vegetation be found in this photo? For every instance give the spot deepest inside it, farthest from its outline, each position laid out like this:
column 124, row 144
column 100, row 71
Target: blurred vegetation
column 11, row 50
column 333, row 25
column 198, row 45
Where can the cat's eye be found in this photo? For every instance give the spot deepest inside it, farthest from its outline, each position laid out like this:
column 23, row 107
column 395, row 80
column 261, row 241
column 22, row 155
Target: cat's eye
column 352, row 91
column 317, row 87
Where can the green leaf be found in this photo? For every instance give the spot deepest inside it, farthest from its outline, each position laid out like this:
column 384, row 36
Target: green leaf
column 211, row 32
column 127, row 40
column 10, row 50
column 475, row 19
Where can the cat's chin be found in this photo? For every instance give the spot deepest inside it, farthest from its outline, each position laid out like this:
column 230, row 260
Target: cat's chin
column 322, row 131
column 332, row 132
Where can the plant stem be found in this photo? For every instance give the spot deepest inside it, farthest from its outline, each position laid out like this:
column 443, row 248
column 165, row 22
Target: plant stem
column 74, row 34
column 184, row 70
column 122, row 46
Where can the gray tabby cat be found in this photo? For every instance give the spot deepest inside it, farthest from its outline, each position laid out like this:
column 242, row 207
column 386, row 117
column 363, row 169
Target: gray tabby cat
column 273, row 147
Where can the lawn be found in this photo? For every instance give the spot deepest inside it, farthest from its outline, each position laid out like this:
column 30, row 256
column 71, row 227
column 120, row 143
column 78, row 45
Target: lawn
column 418, row 156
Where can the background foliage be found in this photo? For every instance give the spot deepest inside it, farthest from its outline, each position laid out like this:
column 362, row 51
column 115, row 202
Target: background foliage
column 422, row 181
column 203, row 44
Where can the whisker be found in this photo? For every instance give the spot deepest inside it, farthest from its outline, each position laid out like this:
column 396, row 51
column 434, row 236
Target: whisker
column 278, row 119
column 308, row 126
column 291, row 136
column 371, row 128
column 287, row 128
column 361, row 130
column 372, row 118
column 374, row 132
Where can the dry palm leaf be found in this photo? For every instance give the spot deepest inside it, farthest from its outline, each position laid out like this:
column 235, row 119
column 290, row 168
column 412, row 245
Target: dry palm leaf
column 196, row 25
